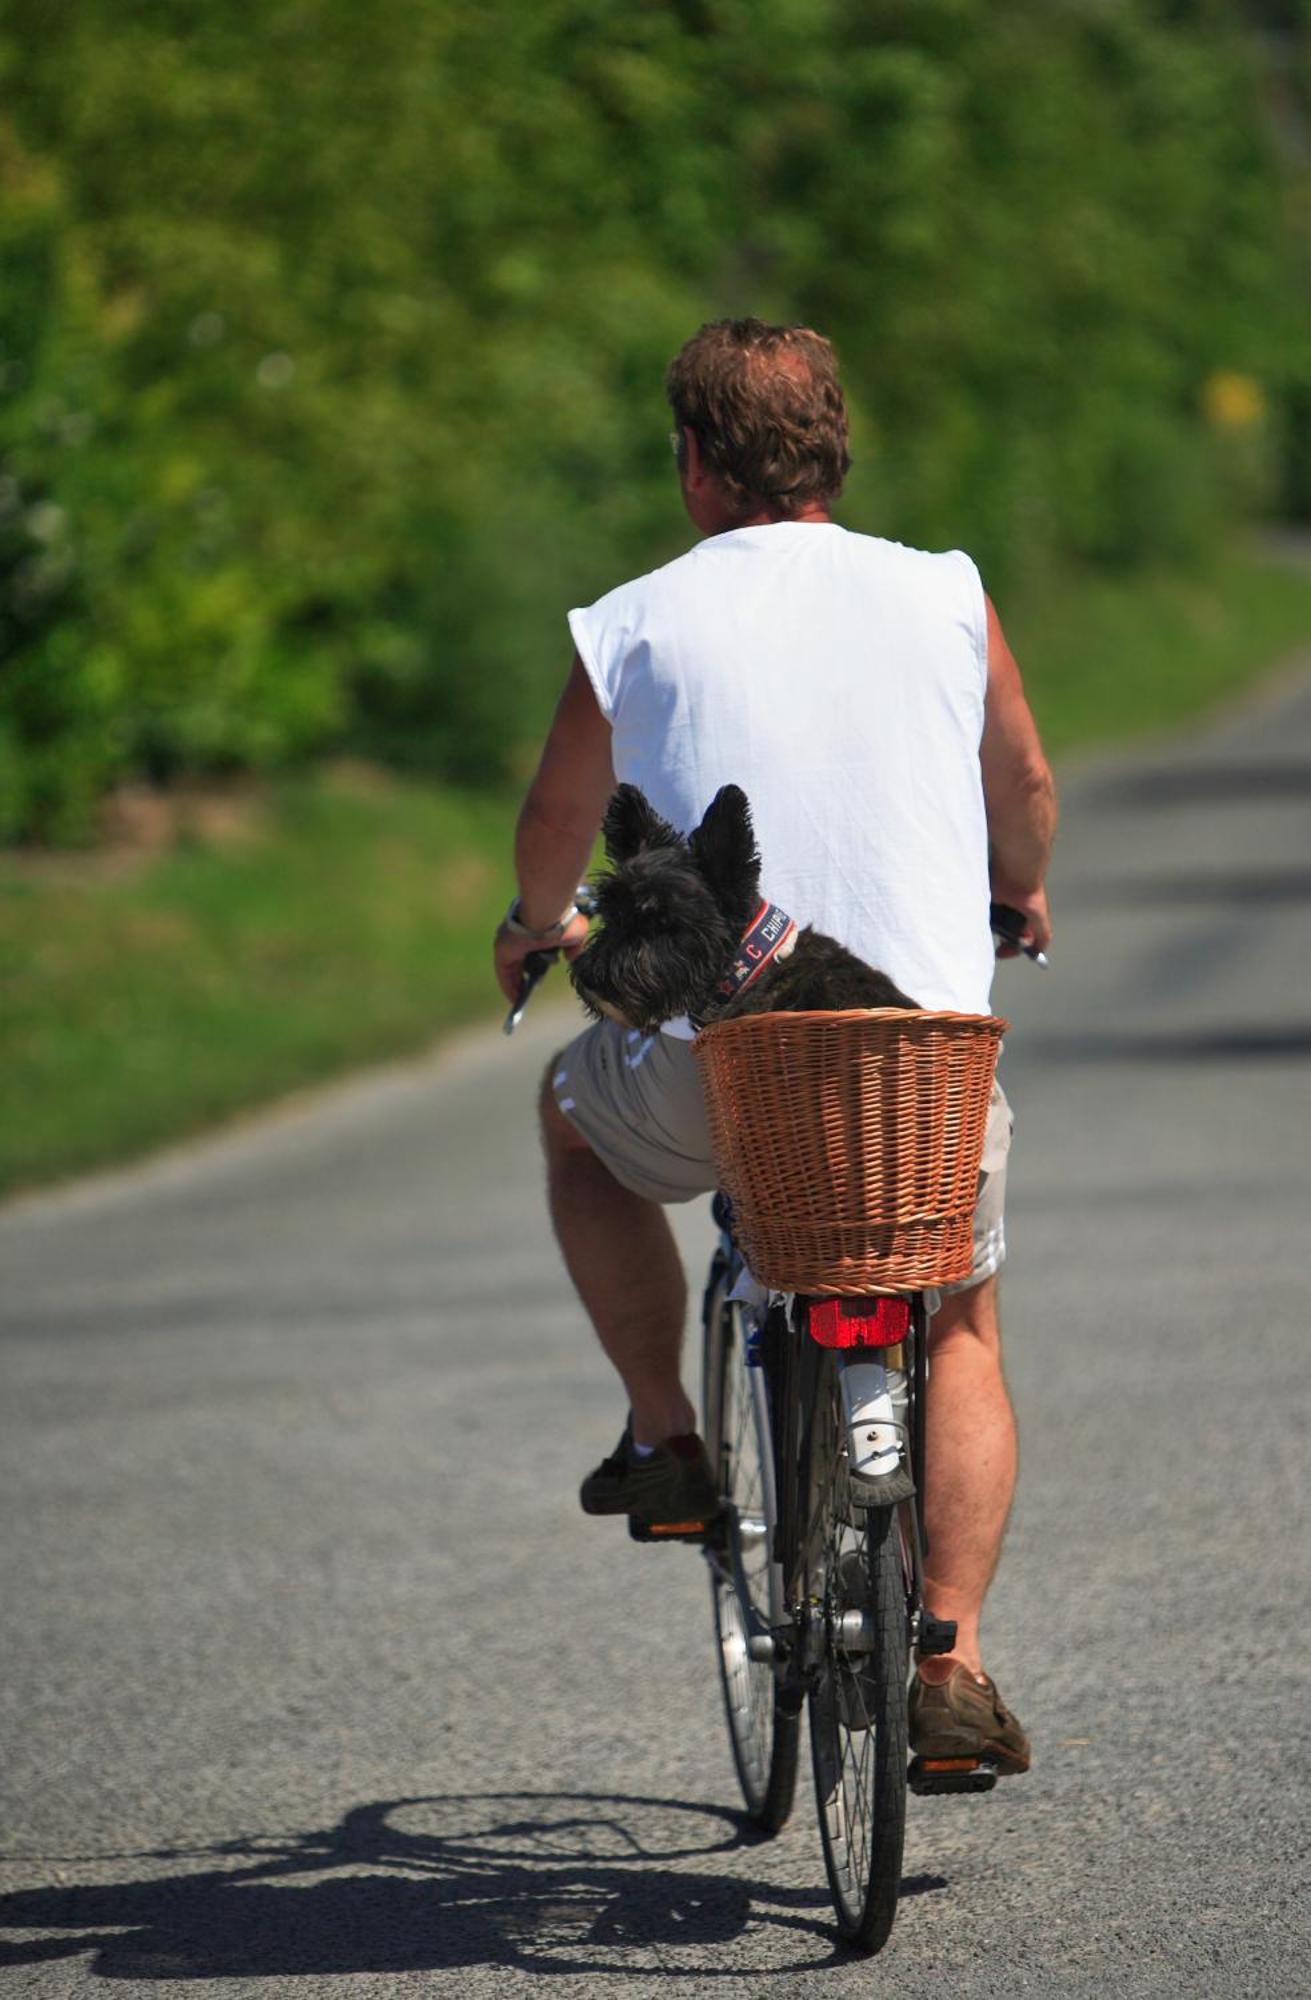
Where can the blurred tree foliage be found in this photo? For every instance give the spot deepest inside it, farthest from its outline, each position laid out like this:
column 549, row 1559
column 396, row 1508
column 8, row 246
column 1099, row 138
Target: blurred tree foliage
column 332, row 338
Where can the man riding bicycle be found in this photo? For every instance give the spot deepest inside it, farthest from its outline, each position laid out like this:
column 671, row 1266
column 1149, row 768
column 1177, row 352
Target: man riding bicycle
column 863, row 694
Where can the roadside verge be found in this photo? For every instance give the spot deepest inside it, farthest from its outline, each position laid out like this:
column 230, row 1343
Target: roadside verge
column 237, row 945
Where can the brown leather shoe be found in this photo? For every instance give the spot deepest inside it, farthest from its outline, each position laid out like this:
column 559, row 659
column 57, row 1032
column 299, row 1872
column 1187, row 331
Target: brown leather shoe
column 964, row 1716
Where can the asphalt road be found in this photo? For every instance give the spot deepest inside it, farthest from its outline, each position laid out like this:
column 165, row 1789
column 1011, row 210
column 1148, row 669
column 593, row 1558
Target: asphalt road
column 316, row 1681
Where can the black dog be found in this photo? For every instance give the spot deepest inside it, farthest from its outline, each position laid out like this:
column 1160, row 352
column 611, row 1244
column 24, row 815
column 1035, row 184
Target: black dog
column 686, row 932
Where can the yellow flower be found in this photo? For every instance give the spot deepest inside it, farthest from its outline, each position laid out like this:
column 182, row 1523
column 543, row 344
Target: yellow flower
column 1232, row 402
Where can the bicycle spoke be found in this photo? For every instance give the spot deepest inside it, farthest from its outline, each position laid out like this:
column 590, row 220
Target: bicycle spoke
column 858, row 1711
column 764, row 1741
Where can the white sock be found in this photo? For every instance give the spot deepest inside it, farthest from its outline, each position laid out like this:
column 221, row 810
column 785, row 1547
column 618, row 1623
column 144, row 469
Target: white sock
column 643, row 1450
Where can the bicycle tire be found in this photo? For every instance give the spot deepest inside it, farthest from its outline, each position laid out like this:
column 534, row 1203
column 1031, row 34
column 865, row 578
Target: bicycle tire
column 764, row 1738
column 858, row 1727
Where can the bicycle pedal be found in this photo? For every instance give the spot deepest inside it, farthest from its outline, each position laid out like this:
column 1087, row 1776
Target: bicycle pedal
column 933, row 1776
column 699, row 1532
column 936, row 1635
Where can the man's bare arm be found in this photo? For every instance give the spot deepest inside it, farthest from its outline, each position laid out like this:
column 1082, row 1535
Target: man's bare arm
column 1018, row 791
column 562, row 811
column 558, row 823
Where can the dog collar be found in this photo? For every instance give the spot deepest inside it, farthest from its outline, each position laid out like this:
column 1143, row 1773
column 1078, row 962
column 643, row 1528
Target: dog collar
column 771, row 934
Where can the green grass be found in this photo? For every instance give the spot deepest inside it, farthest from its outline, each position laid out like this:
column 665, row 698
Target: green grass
column 1106, row 659
column 349, row 920
column 346, row 916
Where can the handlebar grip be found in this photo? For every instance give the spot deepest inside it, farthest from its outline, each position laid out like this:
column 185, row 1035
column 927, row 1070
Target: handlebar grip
column 1006, row 922
column 537, row 964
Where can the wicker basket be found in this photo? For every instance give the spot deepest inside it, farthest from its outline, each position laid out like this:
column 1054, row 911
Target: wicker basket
column 849, row 1143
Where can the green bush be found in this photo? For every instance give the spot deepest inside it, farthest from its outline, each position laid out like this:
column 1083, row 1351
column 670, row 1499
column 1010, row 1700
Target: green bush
column 332, row 340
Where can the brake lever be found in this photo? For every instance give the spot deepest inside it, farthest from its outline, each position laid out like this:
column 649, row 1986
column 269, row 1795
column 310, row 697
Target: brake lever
column 1007, row 925
column 535, row 968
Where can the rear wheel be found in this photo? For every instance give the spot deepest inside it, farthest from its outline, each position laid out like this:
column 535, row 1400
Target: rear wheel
column 746, row 1586
column 858, row 1699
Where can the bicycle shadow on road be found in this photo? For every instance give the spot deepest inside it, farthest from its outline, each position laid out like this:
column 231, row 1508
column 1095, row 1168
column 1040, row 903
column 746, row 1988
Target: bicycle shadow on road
column 542, row 1882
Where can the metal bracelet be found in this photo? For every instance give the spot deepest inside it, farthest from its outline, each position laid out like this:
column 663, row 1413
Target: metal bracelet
column 550, row 935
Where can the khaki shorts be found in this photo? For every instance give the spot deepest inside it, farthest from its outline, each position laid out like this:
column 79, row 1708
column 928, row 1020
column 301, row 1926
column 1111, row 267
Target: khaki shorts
column 637, row 1101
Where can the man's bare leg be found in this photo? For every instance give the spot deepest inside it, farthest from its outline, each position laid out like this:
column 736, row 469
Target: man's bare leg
column 620, row 1252
column 971, row 1450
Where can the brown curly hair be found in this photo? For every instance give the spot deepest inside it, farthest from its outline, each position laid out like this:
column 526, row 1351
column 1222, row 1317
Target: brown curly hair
column 767, row 409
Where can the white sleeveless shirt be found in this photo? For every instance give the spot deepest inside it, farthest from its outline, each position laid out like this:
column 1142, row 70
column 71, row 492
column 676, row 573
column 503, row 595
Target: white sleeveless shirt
column 839, row 680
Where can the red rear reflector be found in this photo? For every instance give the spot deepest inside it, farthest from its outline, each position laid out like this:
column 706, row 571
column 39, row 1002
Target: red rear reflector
column 858, row 1322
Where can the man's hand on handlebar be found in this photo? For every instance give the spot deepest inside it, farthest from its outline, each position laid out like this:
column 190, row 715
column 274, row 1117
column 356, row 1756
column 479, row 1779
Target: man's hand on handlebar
column 1020, row 923
column 510, row 950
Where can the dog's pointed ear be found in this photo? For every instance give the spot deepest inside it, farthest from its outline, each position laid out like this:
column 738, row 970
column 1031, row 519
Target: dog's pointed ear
column 630, row 824
column 724, row 849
